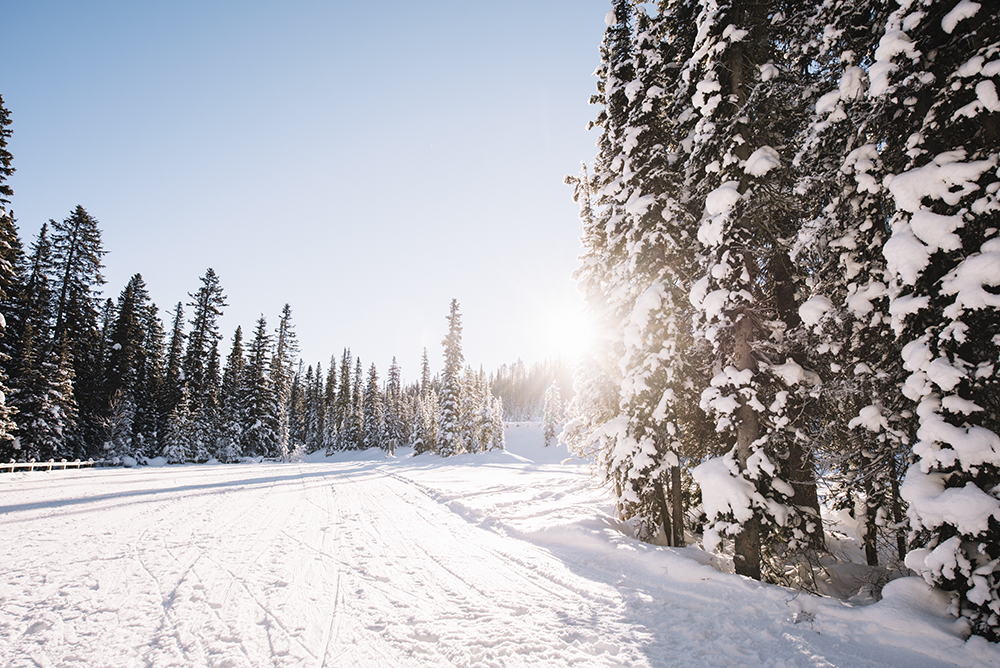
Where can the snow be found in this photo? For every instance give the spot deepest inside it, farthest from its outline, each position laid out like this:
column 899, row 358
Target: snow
column 963, row 10
column 762, row 161
column 501, row 559
column 813, row 309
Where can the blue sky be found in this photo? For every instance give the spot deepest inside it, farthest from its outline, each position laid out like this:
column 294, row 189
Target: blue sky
column 365, row 162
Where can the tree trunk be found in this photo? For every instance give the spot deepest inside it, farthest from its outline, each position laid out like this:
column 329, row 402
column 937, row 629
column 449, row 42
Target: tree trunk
column 897, row 511
column 871, row 529
column 747, row 548
column 678, row 505
column 664, row 513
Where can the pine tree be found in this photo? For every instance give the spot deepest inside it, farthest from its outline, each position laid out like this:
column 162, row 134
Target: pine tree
column 126, row 368
column 178, row 441
column 231, row 409
column 76, row 279
column 373, row 420
column 206, row 309
column 394, row 410
column 42, row 391
column 43, row 397
column 553, row 413
column 174, row 378
column 449, row 429
column 934, row 76
column 261, row 432
column 6, row 159
column 498, row 439
column 11, row 254
column 330, row 425
column 282, row 371
column 342, row 407
column 354, row 421
column 147, row 422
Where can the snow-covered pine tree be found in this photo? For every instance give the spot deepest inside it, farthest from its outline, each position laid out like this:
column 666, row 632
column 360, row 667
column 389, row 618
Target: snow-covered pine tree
column 845, row 319
column 76, row 279
column 11, row 256
column 282, row 371
column 343, row 407
column 127, row 367
column 174, row 375
column 206, row 309
column 296, row 411
column 260, row 435
column 178, row 441
column 329, row 433
column 471, row 412
column 395, row 418
column 741, row 184
column 498, row 438
column 147, row 421
column 935, row 71
column 449, row 427
column 427, row 422
column 353, row 434
column 42, row 392
column 643, row 255
column 554, row 414
column 231, row 415
column 373, row 417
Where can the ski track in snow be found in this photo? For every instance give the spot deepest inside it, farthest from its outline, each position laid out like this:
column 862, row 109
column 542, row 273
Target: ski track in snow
column 483, row 560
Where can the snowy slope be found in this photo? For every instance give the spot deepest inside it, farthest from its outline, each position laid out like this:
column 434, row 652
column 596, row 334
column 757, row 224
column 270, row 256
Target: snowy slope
column 502, row 559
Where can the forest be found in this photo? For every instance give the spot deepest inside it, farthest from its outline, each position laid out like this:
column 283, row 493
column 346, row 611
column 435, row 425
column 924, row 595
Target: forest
column 90, row 378
column 790, row 237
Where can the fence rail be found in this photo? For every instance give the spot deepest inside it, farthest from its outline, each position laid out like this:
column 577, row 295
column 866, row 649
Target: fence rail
column 10, row 467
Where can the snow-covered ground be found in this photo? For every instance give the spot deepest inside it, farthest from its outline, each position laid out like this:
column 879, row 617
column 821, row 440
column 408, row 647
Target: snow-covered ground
column 502, row 559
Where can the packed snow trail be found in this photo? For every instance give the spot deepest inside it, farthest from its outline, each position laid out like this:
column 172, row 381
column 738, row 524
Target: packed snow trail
column 486, row 560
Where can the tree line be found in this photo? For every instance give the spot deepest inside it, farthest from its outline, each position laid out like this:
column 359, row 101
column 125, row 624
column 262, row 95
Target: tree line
column 790, row 236
column 83, row 377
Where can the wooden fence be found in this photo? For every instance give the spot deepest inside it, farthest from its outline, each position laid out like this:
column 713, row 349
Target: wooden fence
column 10, row 467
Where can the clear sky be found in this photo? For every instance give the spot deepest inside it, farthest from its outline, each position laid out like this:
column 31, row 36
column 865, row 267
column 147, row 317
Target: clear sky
column 365, row 162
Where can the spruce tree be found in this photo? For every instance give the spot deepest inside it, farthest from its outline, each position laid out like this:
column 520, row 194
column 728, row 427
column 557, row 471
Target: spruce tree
column 553, row 413
column 206, row 309
column 394, row 410
column 372, row 409
column 261, row 432
column 11, row 255
column 232, row 419
column 42, row 391
column 76, row 279
column 935, row 73
column 449, row 428
column 342, row 406
column 282, row 371
column 127, row 369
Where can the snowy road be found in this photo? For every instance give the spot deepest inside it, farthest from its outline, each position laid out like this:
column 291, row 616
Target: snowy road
column 486, row 561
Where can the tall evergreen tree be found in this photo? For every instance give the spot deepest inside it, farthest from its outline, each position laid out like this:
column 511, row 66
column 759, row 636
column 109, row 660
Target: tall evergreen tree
column 76, row 280
column 372, row 409
column 343, row 407
column 42, row 392
column 11, row 254
column 206, row 309
column 127, row 366
column 935, row 76
column 394, row 410
column 232, row 418
column 449, row 429
column 282, row 372
column 261, row 432
column 174, row 378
